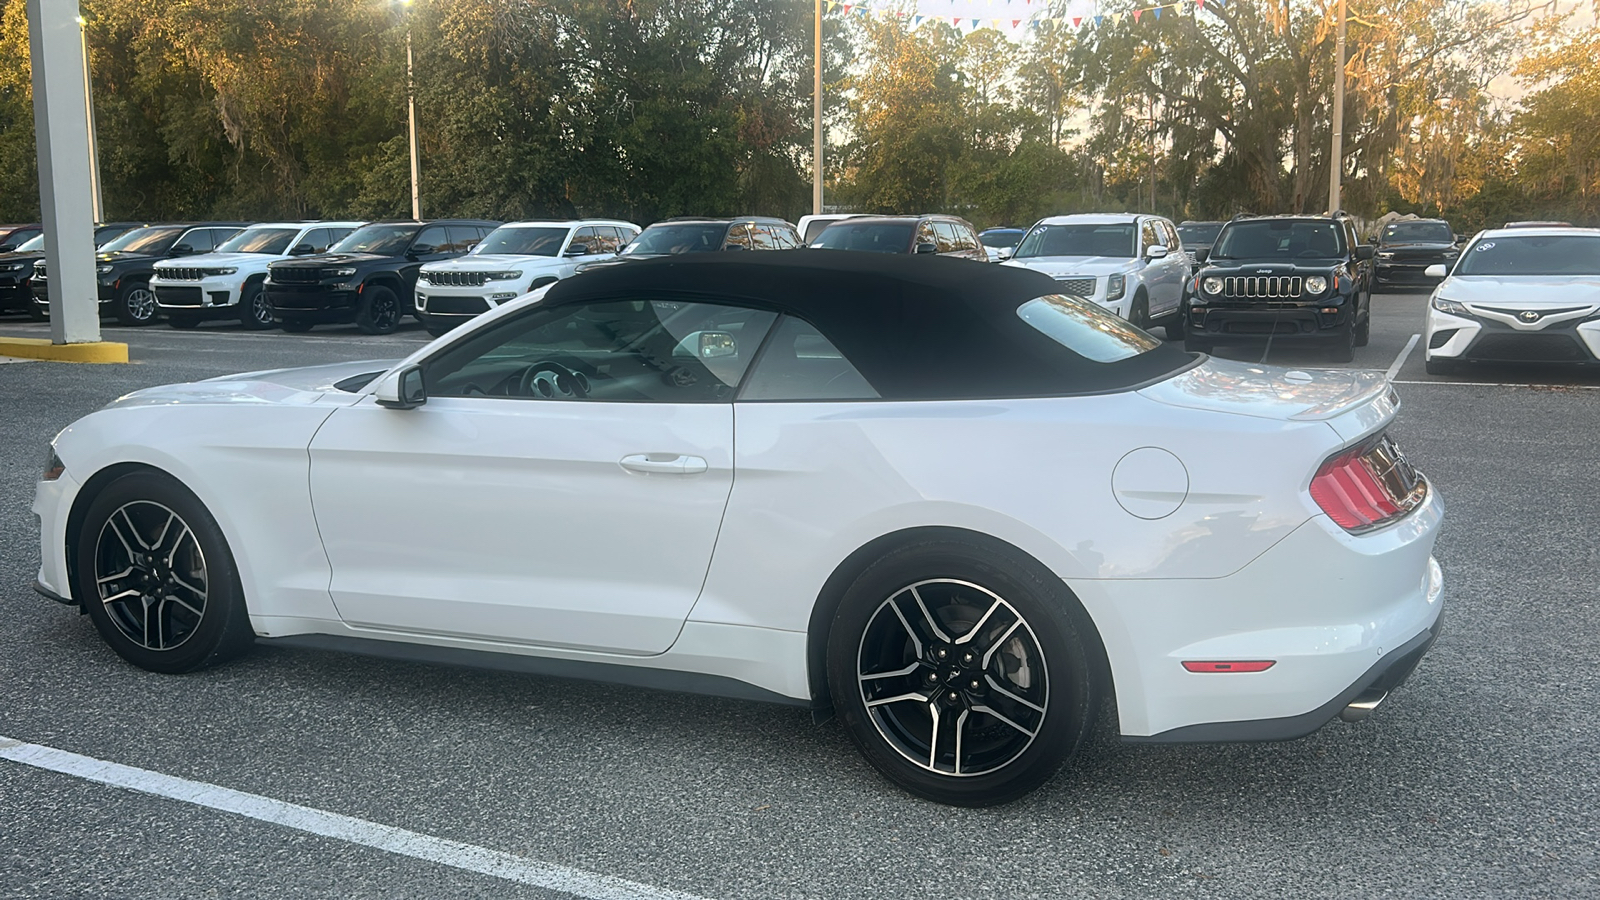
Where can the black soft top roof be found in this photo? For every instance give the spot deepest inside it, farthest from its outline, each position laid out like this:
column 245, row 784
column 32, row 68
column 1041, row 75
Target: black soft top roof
column 917, row 327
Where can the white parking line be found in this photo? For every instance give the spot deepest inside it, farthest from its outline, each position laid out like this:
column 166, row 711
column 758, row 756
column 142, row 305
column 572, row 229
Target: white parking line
column 1400, row 360
column 455, row 854
column 1513, row 384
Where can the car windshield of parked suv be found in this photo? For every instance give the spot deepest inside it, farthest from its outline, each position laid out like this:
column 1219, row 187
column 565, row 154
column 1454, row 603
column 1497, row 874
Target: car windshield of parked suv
column 260, row 240
column 1085, row 328
column 34, row 243
column 1543, row 254
column 699, row 237
column 1278, row 239
column 871, row 237
column 146, row 240
column 1000, row 239
column 1199, row 232
column 522, row 241
column 384, row 240
column 1078, row 240
column 1431, row 232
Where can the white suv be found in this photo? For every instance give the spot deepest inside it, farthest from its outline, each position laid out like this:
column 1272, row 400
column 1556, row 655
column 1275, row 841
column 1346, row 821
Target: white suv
column 226, row 283
column 514, row 259
column 1133, row 265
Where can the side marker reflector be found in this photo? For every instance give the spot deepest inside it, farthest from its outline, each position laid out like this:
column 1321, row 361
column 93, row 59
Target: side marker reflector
column 1229, row 665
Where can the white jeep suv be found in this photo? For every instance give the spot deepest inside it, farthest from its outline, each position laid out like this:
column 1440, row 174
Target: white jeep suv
column 514, row 259
column 1131, row 264
column 226, row 283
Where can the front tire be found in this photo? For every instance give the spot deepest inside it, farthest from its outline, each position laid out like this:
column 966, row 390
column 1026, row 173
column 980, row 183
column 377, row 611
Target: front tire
column 379, row 312
column 962, row 671
column 1139, row 311
column 1343, row 349
column 155, row 574
column 255, row 313
column 136, row 304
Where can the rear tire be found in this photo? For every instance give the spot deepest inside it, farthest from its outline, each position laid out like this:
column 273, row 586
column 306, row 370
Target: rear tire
column 963, row 672
column 154, row 573
column 379, row 312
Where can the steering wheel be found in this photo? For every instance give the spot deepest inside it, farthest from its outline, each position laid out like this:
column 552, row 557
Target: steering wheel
column 560, row 380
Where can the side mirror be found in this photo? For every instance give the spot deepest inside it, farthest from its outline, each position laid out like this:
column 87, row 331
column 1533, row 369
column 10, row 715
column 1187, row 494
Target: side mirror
column 1005, row 253
column 1363, row 251
column 736, row 247
column 402, row 390
column 182, row 250
column 1156, row 251
column 420, row 249
column 927, row 248
column 302, row 250
column 576, row 250
column 1203, row 254
column 1437, row 270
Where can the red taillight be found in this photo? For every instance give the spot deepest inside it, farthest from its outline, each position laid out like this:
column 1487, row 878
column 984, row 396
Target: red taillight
column 1366, row 486
column 1232, row 665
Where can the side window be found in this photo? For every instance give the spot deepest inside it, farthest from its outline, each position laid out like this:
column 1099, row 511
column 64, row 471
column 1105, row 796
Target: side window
column 197, row 239
column 946, row 237
column 968, row 237
column 925, row 235
column 1147, row 235
column 1169, row 235
column 605, row 239
column 462, row 237
column 335, row 235
column 800, row 364
column 761, row 238
column 738, row 236
column 584, row 237
column 627, row 235
column 790, row 238
column 316, row 239
column 614, row 350
column 432, row 239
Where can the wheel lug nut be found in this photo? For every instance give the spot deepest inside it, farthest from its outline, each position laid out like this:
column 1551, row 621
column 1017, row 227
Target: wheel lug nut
column 933, row 676
column 967, row 657
column 952, row 698
column 941, row 653
column 975, row 684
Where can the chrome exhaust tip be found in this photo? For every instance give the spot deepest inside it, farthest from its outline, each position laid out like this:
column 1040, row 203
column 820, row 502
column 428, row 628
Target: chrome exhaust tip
column 1362, row 706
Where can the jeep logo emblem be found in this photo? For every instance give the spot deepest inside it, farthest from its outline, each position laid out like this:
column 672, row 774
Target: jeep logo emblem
column 1529, row 315
column 1263, row 271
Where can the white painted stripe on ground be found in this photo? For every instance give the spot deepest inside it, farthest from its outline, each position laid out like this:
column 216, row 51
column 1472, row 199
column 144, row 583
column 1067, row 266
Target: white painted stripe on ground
column 1512, row 384
column 1400, row 360
column 467, row 857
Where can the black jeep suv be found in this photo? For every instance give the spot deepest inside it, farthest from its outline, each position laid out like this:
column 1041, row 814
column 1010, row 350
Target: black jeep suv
column 1287, row 278
column 123, row 265
column 1408, row 247
column 370, row 277
column 16, row 269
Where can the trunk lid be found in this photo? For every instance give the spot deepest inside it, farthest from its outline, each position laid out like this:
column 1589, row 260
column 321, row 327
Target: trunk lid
column 1354, row 403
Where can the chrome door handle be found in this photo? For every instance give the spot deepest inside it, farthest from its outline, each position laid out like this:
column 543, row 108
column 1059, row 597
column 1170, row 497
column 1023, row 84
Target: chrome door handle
column 663, row 464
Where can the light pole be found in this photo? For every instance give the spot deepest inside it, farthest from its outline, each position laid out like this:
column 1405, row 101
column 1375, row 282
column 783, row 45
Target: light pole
column 94, row 141
column 816, row 127
column 411, row 119
column 1336, row 167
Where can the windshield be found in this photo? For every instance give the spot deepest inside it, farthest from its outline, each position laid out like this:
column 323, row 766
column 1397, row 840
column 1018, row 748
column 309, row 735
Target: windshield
column 1085, row 328
column 1078, row 240
column 522, row 241
column 1554, row 254
column 1278, row 239
column 700, row 237
column 1000, row 239
column 34, row 243
column 1433, row 232
column 145, row 240
column 1199, row 232
column 816, row 227
column 873, row 237
column 260, row 240
column 384, row 240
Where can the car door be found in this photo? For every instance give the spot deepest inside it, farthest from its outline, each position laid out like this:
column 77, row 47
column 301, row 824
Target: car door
column 1174, row 270
column 562, row 486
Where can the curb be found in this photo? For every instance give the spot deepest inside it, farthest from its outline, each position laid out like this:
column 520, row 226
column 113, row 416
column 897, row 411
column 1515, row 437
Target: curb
column 38, row 348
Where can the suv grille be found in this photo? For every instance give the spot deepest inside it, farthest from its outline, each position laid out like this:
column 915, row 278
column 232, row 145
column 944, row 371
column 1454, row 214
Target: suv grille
column 1266, row 286
column 296, row 275
column 458, row 306
column 180, row 274
column 178, row 296
column 456, row 279
column 1077, row 287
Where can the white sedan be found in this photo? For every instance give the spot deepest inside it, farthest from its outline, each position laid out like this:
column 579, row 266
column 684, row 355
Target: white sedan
column 943, row 501
column 1517, row 295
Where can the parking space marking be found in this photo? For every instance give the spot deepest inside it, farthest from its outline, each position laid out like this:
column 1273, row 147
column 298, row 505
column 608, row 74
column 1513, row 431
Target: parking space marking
column 1543, row 386
column 1400, row 360
column 467, row 857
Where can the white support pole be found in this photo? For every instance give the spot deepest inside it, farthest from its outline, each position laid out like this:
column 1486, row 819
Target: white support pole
column 60, row 122
column 816, row 125
column 1336, row 159
column 94, row 140
column 411, row 118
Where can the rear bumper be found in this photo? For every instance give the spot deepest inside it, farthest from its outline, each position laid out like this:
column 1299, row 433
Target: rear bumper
column 1408, row 273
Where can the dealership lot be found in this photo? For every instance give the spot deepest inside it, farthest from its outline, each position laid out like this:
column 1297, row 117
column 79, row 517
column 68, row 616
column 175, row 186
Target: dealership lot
column 1478, row 778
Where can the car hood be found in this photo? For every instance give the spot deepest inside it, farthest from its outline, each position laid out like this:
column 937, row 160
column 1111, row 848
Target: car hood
column 298, row 386
column 1273, row 392
column 327, row 259
column 490, row 262
column 1416, row 245
column 217, row 259
column 117, row 256
column 1076, row 265
column 1517, row 292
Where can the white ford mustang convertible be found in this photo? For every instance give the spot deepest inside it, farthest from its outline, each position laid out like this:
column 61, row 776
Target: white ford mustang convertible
column 936, row 498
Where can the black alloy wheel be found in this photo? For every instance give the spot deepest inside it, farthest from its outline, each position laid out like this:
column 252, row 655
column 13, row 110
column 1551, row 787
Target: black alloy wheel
column 255, row 313
column 154, row 573
column 379, row 312
column 1342, row 348
column 136, row 304
column 961, row 672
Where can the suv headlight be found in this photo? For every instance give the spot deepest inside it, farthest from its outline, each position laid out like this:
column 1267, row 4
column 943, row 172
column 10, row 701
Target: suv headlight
column 343, row 273
column 1316, row 284
column 503, row 276
column 219, row 271
column 1115, row 285
column 1450, row 306
column 103, row 269
column 1212, row 285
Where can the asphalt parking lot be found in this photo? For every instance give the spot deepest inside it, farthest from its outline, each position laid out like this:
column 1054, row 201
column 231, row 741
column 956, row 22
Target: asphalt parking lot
column 1480, row 778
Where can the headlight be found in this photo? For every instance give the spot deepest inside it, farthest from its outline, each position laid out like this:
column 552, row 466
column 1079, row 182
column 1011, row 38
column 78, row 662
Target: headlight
column 1316, row 284
column 103, row 269
column 53, row 466
column 503, row 276
column 343, row 273
column 1115, row 285
column 1450, row 306
column 1452, row 253
column 1212, row 285
column 219, row 271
